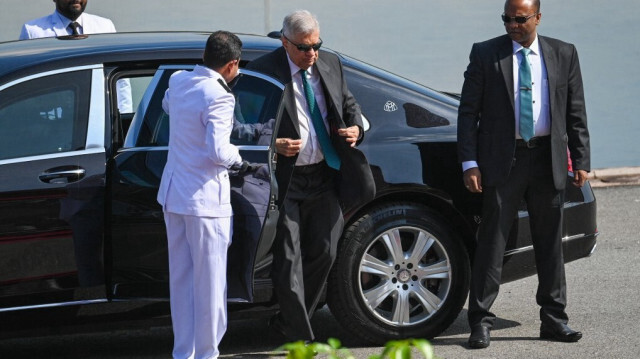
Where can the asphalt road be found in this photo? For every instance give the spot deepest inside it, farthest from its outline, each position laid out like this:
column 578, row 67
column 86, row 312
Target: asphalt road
column 603, row 296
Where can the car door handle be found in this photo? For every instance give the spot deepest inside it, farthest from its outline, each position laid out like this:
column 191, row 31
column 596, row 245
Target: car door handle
column 60, row 175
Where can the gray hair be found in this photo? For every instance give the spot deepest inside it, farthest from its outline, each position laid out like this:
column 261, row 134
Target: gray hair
column 299, row 22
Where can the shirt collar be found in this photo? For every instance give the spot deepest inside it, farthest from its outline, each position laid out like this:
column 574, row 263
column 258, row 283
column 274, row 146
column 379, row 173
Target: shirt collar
column 295, row 69
column 205, row 71
column 66, row 21
column 535, row 46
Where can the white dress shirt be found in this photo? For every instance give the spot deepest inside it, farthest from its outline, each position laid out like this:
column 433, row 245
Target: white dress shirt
column 539, row 89
column 311, row 152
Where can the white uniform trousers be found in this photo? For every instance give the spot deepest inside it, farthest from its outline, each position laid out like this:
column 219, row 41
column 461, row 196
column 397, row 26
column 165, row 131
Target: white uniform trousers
column 197, row 273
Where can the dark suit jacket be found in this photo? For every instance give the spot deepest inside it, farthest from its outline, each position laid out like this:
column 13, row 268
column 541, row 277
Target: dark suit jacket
column 486, row 116
column 356, row 183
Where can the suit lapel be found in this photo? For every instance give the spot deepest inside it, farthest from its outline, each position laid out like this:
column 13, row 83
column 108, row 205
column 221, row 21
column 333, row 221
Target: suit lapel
column 283, row 73
column 551, row 64
column 505, row 59
column 329, row 81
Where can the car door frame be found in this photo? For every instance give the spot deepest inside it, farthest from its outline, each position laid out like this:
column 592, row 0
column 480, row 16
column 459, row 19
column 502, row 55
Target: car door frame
column 120, row 290
column 67, row 175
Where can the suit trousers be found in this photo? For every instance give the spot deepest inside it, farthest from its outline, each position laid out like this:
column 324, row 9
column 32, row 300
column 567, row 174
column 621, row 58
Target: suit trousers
column 197, row 275
column 530, row 179
column 310, row 225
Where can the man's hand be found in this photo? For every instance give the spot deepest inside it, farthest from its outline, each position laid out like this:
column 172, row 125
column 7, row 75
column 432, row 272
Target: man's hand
column 473, row 180
column 288, row 147
column 579, row 177
column 351, row 133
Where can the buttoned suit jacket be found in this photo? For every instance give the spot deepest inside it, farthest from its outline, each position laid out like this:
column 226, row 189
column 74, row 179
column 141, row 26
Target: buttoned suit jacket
column 486, row 116
column 355, row 183
column 51, row 25
column 195, row 180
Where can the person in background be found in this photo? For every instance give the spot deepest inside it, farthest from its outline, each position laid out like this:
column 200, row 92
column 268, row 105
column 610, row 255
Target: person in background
column 522, row 104
column 319, row 129
column 69, row 18
column 195, row 195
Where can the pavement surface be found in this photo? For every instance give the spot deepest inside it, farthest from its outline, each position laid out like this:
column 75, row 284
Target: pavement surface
column 603, row 303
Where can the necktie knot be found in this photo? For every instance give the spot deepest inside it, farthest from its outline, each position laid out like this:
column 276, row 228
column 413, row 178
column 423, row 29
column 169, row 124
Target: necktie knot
column 74, row 28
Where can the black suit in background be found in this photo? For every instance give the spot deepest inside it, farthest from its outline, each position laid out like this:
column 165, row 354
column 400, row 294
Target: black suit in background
column 310, row 221
column 510, row 173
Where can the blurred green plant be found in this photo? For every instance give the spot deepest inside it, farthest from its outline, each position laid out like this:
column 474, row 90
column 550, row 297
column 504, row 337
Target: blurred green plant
column 402, row 349
column 301, row 350
column 394, row 349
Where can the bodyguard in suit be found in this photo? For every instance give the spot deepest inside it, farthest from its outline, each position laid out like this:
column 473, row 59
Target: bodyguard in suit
column 195, row 196
column 69, row 18
column 522, row 105
column 316, row 163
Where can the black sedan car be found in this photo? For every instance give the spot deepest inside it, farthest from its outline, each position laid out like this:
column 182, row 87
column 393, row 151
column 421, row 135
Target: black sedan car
column 80, row 225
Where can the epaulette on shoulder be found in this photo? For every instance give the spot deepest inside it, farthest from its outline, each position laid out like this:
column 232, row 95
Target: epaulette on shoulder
column 224, row 85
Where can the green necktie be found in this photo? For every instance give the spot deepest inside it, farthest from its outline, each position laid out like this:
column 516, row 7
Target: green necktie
column 329, row 152
column 526, row 103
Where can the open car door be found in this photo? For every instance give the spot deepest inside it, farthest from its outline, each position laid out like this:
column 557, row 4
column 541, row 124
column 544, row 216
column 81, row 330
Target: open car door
column 139, row 260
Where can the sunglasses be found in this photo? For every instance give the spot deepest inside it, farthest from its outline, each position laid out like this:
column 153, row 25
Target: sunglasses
column 519, row 19
column 304, row 48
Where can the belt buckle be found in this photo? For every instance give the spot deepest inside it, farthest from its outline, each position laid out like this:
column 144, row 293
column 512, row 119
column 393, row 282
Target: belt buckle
column 532, row 143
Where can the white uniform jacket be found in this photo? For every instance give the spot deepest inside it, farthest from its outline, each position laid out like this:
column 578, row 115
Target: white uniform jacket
column 195, row 179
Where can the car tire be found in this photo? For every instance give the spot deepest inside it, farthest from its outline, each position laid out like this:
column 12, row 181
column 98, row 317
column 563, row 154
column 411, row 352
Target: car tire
column 400, row 272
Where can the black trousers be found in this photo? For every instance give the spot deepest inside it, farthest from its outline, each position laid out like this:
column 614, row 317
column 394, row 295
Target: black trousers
column 305, row 246
column 530, row 179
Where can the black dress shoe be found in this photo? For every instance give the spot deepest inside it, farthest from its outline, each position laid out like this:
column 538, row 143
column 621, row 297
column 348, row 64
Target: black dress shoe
column 479, row 338
column 560, row 332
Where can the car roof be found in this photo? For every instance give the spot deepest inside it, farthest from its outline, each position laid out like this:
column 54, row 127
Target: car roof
column 37, row 55
column 26, row 57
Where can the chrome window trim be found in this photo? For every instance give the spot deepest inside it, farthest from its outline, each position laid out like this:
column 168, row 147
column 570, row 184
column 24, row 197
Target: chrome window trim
column 96, row 124
column 530, row 247
column 88, row 151
column 49, row 73
column 241, row 71
column 54, row 305
column 166, row 148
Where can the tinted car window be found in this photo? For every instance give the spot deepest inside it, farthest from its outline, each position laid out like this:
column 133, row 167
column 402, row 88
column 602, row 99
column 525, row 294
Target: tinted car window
column 51, row 111
column 256, row 107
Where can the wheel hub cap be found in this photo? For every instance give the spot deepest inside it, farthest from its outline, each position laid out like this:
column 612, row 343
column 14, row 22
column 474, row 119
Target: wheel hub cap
column 404, row 276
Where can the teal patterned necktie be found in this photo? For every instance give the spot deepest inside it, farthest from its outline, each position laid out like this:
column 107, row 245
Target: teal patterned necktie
column 329, row 152
column 526, row 103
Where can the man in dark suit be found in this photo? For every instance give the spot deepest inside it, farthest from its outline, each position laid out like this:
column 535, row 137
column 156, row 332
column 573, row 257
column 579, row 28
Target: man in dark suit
column 522, row 105
column 316, row 164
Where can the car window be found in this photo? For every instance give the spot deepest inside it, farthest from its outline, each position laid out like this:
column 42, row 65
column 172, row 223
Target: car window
column 51, row 112
column 256, row 107
column 257, row 103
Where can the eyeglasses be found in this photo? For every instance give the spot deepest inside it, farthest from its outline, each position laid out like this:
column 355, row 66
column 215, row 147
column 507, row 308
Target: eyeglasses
column 519, row 19
column 304, row 48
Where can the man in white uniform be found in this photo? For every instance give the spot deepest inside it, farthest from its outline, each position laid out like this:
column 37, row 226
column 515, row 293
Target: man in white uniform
column 195, row 195
column 69, row 18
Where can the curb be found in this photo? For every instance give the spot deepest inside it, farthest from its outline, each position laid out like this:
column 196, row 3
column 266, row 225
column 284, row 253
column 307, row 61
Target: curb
column 610, row 177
